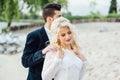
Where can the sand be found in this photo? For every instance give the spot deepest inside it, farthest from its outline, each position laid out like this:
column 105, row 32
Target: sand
column 101, row 46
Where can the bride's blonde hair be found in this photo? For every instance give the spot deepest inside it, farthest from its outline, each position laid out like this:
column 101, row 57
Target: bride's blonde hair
column 55, row 28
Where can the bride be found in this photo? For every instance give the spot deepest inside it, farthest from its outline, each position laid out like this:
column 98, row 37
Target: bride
column 66, row 62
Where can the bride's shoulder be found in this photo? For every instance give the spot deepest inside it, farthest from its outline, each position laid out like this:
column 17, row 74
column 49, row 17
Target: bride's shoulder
column 51, row 53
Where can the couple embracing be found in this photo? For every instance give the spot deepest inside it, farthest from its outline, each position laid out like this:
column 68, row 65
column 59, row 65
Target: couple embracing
column 52, row 52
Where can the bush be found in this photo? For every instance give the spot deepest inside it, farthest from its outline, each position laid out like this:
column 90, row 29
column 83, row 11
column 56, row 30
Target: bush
column 113, row 16
column 84, row 17
column 93, row 17
column 4, row 30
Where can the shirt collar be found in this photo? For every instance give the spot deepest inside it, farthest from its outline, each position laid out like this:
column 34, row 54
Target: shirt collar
column 48, row 32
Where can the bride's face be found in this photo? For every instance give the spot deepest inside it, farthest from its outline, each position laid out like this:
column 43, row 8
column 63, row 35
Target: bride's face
column 65, row 36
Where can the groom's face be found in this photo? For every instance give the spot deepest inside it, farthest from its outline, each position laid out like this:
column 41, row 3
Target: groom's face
column 57, row 14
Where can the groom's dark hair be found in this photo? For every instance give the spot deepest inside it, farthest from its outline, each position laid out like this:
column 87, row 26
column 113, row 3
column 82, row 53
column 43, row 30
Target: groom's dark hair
column 48, row 10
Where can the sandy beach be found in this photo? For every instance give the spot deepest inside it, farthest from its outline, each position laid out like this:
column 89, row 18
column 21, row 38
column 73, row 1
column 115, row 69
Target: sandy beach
column 100, row 43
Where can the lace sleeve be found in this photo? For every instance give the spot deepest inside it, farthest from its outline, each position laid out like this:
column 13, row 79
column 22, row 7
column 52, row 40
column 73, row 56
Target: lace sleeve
column 51, row 66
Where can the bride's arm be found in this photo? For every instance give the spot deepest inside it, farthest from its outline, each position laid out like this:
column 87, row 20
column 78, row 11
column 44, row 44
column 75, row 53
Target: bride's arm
column 80, row 55
column 51, row 66
column 83, row 70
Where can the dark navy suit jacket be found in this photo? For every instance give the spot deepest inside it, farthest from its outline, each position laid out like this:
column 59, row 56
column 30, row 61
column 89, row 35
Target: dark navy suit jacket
column 32, row 57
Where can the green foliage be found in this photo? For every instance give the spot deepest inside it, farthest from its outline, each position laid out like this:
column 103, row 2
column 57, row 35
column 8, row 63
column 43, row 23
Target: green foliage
column 93, row 17
column 113, row 7
column 33, row 16
column 9, row 9
column 113, row 16
column 4, row 30
column 36, row 5
column 68, row 13
column 84, row 17
column 2, row 8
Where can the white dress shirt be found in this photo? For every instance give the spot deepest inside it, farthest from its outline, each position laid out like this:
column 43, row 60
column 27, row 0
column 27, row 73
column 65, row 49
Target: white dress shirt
column 48, row 33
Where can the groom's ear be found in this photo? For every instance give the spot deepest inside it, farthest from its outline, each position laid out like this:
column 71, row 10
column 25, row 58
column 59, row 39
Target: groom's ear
column 49, row 19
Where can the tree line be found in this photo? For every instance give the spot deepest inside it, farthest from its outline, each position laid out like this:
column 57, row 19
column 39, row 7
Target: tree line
column 10, row 9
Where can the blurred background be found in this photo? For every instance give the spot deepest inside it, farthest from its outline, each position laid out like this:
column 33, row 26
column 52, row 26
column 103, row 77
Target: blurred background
column 97, row 24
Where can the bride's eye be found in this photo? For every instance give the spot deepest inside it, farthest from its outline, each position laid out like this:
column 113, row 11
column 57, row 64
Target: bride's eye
column 69, row 32
column 63, row 34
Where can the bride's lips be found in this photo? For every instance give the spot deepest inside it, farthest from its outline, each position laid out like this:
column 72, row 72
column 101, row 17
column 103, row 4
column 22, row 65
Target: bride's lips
column 68, row 40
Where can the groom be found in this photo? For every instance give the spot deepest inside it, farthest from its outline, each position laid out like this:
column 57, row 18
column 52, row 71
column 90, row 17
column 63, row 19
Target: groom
column 36, row 42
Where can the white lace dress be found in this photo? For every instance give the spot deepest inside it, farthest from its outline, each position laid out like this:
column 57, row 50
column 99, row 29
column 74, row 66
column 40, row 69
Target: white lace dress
column 69, row 68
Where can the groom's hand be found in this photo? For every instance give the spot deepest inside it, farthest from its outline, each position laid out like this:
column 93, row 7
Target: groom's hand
column 49, row 48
